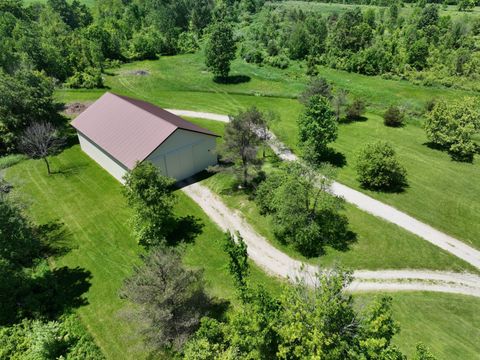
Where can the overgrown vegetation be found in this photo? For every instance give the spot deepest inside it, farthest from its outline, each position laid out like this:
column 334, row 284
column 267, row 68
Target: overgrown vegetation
column 423, row 47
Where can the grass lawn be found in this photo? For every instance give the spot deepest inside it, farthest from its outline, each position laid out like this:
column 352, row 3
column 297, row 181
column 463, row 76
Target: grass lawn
column 90, row 204
column 448, row 324
column 394, row 248
column 441, row 193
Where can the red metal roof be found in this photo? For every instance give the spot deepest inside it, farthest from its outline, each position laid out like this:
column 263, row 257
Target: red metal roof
column 129, row 129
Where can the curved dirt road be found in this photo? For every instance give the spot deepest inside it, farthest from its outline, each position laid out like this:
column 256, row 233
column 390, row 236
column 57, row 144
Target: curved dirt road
column 367, row 203
column 277, row 263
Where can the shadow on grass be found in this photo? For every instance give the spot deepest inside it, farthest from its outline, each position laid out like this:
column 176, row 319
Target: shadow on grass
column 184, row 230
column 55, row 238
column 455, row 157
column 349, row 120
column 47, row 295
column 232, row 79
column 335, row 158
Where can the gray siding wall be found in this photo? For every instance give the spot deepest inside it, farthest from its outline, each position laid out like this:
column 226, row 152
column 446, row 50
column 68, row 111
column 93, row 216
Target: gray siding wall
column 184, row 154
column 104, row 159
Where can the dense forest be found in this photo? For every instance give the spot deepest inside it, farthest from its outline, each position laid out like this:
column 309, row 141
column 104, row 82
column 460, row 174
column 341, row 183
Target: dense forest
column 424, row 47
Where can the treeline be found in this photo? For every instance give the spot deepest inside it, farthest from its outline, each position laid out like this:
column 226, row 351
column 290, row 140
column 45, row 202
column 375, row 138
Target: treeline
column 73, row 43
column 390, row 2
column 424, row 47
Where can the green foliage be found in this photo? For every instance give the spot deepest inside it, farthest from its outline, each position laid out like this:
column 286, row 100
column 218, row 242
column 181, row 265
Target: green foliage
column 241, row 143
column 89, row 78
column 304, row 214
column 37, row 340
column 454, row 125
column 19, row 244
column 150, row 194
column 220, row 49
column 356, row 109
column 378, row 169
column 422, row 353
column 10, row 160
column 171, row 299
column 236, row 250
column 394, row 116
column 317, row 127
column 26, row 97
column 316, row 86
column 303, row 323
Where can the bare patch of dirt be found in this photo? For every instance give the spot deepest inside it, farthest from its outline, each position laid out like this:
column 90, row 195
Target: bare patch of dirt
column 139, row 72
column 75, row 108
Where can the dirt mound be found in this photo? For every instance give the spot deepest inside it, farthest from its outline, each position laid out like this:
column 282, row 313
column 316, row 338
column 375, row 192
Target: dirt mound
column 75, row 108
column 139, row 72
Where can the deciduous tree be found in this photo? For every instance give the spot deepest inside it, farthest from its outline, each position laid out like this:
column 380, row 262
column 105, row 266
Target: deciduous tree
column 39, row 141
column 378, row 168
column 220, row 49
column 317, row 127
column 150, row 194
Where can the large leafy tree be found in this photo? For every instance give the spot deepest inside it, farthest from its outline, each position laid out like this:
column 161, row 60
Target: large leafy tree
column 27, row 97
column 150, row 194
column 305, row 322
column 304, row 214
column 220, row 49
column 317, row 128
column 453, row 126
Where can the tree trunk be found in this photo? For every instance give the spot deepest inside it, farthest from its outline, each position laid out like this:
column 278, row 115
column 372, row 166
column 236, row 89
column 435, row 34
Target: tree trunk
column 48, row 165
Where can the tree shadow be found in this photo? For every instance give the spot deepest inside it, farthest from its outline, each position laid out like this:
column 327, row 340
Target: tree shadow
column 454, row 157
column 394, row 189
column 184, row 230
column 349, row 120
column 232, row 79
column 334, row 158
column 55, row 238
column 45, row 296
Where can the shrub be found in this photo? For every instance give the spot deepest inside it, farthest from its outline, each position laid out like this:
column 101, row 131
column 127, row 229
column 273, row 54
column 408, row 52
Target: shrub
column 88, row 79
column 356, row 109
column 393, row 117
column 454, row 125
column 10, row 160
column 281, row 61
column 378, row 169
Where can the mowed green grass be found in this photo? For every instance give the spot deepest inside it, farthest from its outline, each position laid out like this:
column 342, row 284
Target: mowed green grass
column 441, row 192
column 448, row 324
column 379, row 244
column 89, row 202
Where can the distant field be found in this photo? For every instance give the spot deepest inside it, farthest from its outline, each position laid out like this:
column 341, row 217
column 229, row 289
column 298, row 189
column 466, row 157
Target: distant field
column 442, row 192
column 330, row 8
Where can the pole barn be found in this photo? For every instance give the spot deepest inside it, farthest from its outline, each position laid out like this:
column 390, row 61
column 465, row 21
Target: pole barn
column 117, row 131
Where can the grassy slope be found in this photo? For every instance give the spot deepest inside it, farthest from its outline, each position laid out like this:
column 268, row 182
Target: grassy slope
column 434, row 178
column 89, row 202
column 448, row 324
column 394, row 247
